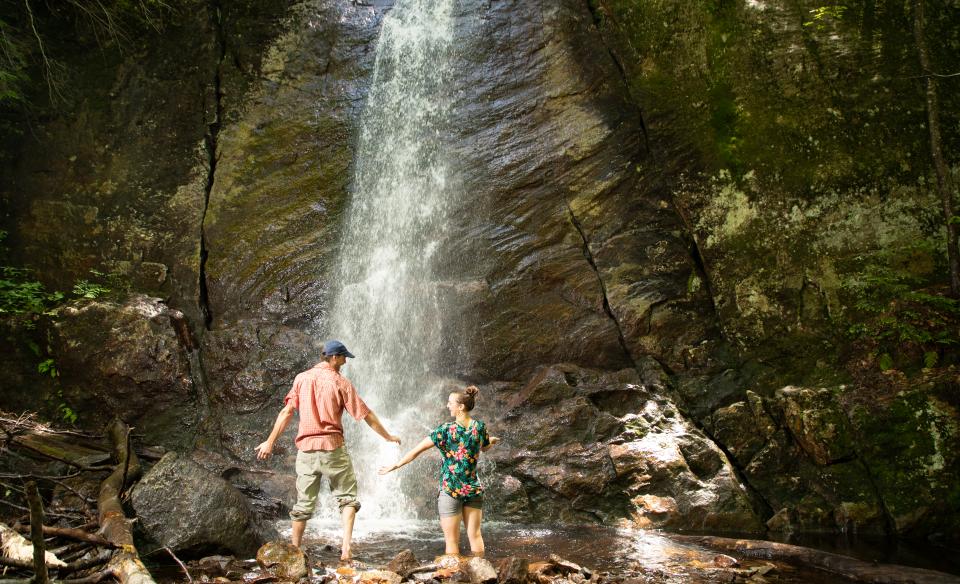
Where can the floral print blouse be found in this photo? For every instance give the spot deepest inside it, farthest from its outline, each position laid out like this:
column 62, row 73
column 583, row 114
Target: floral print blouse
column 460, row 448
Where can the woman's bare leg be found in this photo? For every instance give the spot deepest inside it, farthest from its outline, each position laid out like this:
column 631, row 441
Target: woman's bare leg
column 451, row 533
column 472, row 518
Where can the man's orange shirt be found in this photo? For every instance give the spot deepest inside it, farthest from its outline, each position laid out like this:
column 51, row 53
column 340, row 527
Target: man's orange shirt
column 320, row 395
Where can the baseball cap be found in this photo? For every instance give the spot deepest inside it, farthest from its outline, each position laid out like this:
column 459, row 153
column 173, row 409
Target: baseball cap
column 331, row 348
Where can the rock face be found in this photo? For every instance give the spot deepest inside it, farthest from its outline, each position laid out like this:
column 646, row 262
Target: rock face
column 657, row 257
column 826, row 464
column 128, row 360
column 182, row 506
column 582, row 445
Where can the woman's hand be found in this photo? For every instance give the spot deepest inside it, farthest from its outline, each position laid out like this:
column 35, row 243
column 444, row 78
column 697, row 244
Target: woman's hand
column 386, row 469
column 494, row 440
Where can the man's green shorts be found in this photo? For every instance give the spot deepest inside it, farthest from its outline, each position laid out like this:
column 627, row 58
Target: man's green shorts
column 312, row 465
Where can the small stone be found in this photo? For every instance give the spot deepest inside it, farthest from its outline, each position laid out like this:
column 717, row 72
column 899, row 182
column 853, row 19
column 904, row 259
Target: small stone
column 380, row 577
column 765, row 569
column 403, row 563
column 724, row 561
column 513, row 570
column 285, row 560
column 564, row 566
column 213, row 565
column 480, row 571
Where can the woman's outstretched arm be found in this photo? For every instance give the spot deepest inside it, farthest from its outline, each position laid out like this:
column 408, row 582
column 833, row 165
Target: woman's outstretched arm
column 423, row 446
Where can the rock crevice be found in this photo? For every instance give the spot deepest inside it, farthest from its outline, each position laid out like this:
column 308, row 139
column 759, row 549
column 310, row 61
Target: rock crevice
column 211, row 145
column 588, row 255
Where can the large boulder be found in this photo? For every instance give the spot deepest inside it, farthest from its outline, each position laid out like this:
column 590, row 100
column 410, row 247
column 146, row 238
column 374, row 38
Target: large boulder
column 582, row 445
column 183, row 506
column 129, row 360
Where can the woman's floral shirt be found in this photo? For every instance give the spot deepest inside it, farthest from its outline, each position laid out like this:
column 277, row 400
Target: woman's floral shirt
column 461, row 450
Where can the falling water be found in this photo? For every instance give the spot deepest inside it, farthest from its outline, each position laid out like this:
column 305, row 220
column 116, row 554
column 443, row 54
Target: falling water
column 386, row 308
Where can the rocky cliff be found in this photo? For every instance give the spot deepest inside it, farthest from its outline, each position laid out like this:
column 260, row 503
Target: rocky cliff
column 672, row 212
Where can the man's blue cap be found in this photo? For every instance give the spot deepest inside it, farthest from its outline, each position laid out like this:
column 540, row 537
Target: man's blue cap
column 331, row 348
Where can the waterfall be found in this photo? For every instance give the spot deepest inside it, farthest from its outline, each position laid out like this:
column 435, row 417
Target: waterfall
column 386, row 308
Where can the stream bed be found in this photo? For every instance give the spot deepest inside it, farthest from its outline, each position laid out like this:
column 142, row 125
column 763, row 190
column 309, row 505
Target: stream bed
column 645, row 556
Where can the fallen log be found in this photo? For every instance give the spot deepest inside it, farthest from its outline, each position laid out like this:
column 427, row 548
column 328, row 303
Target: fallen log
column 851, row 568
column 16, row 548
column 126, row 565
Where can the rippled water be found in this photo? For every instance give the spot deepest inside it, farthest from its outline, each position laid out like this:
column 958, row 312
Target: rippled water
column 646, row 555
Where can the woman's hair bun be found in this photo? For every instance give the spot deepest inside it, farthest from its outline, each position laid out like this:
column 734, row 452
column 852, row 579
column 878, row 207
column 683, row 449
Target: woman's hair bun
column 471, row 390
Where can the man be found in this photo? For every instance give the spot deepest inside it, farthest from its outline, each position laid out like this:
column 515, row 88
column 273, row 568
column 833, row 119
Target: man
column 320, row 395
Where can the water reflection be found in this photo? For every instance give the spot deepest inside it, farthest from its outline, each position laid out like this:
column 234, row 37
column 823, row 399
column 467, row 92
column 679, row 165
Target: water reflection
column 646, row 556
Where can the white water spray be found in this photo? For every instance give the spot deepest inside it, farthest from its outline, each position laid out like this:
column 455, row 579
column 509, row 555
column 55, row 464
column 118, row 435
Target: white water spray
column 386, row 308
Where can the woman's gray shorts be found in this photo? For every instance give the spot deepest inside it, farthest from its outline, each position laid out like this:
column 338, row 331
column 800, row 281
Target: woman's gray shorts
column 449, row 506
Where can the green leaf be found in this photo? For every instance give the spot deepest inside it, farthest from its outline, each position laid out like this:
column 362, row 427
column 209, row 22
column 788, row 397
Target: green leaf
column 930, row 359
column 885, row 362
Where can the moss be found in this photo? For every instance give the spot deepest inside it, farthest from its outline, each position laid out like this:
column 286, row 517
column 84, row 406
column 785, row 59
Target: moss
column 910, row 446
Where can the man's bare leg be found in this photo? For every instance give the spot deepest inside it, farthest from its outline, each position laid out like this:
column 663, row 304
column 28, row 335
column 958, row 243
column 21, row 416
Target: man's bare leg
column 347, row 516
column 297, row 531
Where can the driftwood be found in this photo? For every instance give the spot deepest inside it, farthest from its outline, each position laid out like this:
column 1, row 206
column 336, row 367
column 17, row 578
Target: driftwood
column 851, row 568
column 126, row 565
column 72, row 533
column 16, row 548
column 40, row 574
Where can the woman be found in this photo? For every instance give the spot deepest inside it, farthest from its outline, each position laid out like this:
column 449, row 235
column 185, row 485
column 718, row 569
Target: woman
column 460, row 493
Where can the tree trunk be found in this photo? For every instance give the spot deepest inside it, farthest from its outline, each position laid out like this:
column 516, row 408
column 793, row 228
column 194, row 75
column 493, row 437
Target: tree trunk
column 944, row 184
column 126, row 564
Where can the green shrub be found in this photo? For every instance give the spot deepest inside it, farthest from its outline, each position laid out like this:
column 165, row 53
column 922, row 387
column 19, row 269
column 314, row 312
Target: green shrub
column 900, row 320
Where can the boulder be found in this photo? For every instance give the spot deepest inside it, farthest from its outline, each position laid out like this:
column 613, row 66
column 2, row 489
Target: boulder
column 581, row 444
column 183, row 506
column 127, row 359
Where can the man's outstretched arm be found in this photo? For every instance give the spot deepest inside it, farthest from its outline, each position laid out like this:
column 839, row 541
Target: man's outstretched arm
column 265, row 448
column 374, row 422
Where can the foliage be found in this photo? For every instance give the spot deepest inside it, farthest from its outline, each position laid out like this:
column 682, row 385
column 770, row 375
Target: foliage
column 90, row 290
column 21, row 295
column 903, row 323
column 25, row 40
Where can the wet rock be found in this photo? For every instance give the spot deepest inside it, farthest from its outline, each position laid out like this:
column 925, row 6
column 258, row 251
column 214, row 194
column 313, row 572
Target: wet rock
column 283, row 560
column 724, row 561
column 782, row 521
column 379, row 577
column 480, row 571
column 403, row 563
column 607, row 434
column 563, row 566
column 214, row 565
column 182, row 506
column 513, row 570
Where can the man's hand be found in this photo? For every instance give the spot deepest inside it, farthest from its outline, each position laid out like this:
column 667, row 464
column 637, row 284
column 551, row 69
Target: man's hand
column 264, row 450
column 393, row 438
